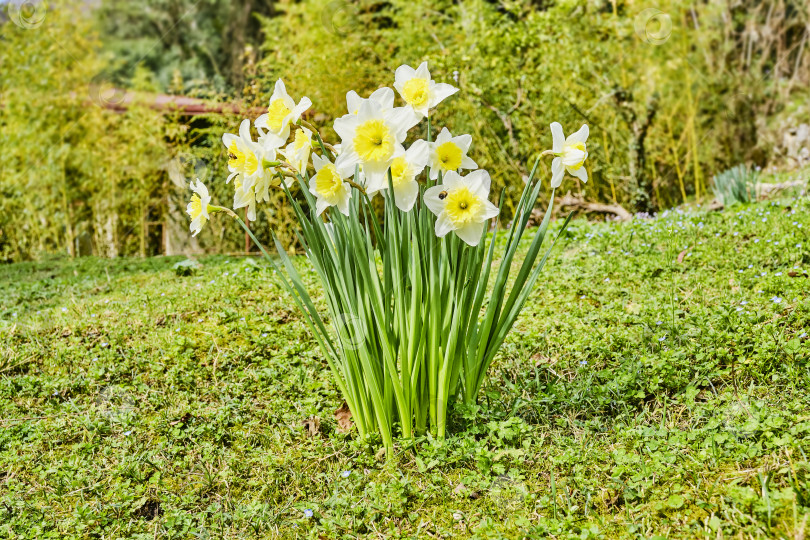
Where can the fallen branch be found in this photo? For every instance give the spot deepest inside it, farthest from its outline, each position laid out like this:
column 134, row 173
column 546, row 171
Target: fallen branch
column 765, row 190
column 578, row 203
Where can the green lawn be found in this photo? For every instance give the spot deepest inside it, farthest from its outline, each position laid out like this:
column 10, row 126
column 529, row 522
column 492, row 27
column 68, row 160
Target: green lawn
column 638, row 396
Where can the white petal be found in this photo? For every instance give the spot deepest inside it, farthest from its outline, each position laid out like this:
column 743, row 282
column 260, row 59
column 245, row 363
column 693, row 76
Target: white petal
column 557, row 136
column 384, row 97
column 463, row 142
column 403, row 74
column 471, row 233
column 440, row 92
column 402, row 119
column 319, row 162
column 346, row 125
column 244, row 130
column 405, row 195
column 346, row 163
column 353, row 101
column 478, row 182
column 418, row 155
column 557, row 172
column 343, row 203
column 320, row 206
column 279, row 91
column 468, row 163
column 443, row 225
column 432, row 200
column 444, row 136
column 490, row 210
column 581, row 173
column 452, row 180
column 579, row 136
column 422, row 71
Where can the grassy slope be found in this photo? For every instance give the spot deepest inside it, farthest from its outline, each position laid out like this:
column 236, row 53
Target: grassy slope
column 637, row 396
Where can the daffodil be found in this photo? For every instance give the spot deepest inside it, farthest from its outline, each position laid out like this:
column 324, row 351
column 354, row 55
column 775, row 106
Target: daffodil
column 281, row 112
column 329, row 187
column 461, row 205
column 384, row 97
column 198, row 206
column 404, row 169
column 418, row 90
column 243, row 154
column 449, row 153
column 371, row 139
column 570, row 154
column 297, row 152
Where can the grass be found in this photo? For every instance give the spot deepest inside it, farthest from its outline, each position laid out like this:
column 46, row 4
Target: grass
column 656, row 385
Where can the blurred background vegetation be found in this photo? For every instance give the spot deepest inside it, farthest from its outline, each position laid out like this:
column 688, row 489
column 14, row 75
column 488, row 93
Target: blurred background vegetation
column 674, row 92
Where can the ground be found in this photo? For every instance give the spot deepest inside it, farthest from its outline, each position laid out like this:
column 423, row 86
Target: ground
column 655, row 385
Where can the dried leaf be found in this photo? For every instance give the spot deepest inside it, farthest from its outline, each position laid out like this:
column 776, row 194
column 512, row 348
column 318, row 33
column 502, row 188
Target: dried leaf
column 682, row 254
column 344, row 418
column 312, row 426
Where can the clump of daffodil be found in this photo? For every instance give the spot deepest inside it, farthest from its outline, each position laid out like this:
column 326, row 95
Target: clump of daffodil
column 418, row 317
column 407, row 165
column 418, row 90
column 461, row 205
column 274, row 125
column 370, row 139
column 198, row 207
column 570, row 154
column 449, row 153
column 329, row 187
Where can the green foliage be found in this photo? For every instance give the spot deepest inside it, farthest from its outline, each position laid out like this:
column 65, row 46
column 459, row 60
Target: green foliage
column 736, row 185
column 158, row 405
column 659, row 90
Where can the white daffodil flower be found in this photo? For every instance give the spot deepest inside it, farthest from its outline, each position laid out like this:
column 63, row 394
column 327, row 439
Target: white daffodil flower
column 449, row 153
column 280, row 114
column 461, row 205
column 328, row 186
column 384, row 97
column 198, row 206
column 371, row 139
column 243, row 153
column 420, row 91
column 404, row 169
column 297, row 152
column 570, row 153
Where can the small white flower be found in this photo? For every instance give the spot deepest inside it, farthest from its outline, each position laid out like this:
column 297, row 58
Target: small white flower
column 328, row 186
column 198, row 207
column 420, row 91
column 461, row 205
column 570, row 153
column 281, row 112
column 449, row 153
